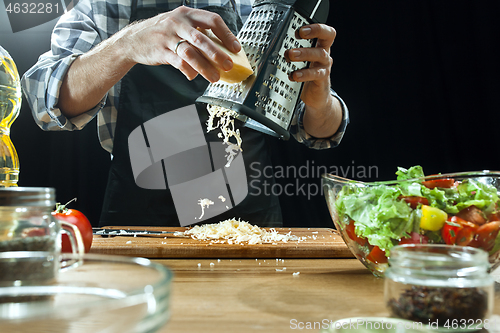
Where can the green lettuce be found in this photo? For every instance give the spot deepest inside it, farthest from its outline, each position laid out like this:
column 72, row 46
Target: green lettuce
column 379, row 215
column 383, row 218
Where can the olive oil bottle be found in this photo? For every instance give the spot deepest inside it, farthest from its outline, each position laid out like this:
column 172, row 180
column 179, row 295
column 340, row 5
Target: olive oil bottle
column 10, row 104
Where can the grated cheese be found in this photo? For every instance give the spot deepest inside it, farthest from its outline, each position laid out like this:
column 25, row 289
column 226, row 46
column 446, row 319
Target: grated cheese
column 234, row 231
column 226, row 124
column 204, row 203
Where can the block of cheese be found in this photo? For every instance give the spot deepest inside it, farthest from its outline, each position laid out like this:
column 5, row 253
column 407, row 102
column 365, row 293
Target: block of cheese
column 241, row 66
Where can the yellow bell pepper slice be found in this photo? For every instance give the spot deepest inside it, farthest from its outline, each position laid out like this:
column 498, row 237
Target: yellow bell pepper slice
column 432, row 219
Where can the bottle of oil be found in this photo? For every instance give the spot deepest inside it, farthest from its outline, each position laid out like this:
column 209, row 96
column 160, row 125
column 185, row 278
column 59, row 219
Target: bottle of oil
column 10, row 104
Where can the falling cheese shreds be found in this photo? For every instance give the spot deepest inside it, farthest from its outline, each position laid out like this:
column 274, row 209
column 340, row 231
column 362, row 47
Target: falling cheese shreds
column 204, row 203
column 234, row 231
column 226, row 125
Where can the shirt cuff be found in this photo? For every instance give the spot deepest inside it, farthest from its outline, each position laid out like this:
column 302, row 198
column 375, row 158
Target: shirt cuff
column 300, row 134
column 53, row 89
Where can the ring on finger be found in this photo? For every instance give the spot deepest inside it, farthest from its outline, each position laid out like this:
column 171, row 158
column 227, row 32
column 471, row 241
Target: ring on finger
column 179, row 43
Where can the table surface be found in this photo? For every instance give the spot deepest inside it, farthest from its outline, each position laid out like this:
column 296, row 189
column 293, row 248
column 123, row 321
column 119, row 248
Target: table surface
column 248, row 295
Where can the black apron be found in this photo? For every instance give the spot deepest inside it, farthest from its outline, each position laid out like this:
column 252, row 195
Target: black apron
column 149, row 91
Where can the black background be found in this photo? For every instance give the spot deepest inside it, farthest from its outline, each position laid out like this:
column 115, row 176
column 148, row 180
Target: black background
column 420, row 78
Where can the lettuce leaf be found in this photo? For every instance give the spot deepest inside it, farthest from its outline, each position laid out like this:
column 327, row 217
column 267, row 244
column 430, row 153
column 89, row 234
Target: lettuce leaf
column 378, row 214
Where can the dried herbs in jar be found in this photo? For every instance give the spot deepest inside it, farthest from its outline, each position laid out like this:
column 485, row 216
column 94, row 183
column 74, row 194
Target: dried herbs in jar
column 439, row 284
column 441, row 305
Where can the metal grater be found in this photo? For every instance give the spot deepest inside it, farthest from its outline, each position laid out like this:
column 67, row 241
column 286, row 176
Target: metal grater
column 266, row 101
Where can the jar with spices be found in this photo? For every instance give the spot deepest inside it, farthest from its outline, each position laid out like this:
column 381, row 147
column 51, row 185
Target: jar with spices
column 445, row 287
column 27, row 225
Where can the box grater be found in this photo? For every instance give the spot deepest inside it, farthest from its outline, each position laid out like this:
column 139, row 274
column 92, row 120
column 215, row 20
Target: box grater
column 266, row 101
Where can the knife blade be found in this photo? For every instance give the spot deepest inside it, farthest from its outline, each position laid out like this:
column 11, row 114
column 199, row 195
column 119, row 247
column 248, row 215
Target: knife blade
column 104, row 232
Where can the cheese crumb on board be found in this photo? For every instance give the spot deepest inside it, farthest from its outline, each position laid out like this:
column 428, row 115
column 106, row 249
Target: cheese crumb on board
column 234, row 231
column 296, row 273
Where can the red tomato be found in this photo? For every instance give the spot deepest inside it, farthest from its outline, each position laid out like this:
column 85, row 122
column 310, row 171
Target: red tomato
column 414, row 201
column 443, row 183
column 494, row 217
column 486, row 235
column 78, row 219
column 462, row 222
column 415, row 238
column 472, row 214
column 350, row 230
column 450, row 232
column 465, row 236
column 377, row 256
column 458, row 231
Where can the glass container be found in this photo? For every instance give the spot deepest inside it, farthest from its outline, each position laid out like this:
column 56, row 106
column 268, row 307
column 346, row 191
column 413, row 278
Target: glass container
column 354, row 205
column 447, row 288
column 102, row 294
column 10, row 104
column 26, row 224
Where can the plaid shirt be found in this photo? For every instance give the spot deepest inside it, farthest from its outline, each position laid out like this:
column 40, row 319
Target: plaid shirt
column 85, row 26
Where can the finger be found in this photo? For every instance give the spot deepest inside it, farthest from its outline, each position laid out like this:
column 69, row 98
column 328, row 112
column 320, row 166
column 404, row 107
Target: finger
column 314, row 55
column 208, row 20
column 324, row 33
column 197, row 62
column 310, row 74
column 189, row 72
column 210, row 49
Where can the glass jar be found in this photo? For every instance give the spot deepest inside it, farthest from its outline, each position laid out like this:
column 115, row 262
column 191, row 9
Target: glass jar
column 444, row 287
column 26, row 224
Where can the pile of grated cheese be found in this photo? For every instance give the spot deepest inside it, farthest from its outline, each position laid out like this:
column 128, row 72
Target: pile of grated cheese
column 235, row 231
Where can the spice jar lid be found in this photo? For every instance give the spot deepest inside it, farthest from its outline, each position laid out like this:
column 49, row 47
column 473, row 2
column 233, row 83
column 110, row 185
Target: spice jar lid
column 27, row 196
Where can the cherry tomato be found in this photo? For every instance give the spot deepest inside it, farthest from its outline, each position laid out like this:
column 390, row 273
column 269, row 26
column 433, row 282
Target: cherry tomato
column 450, row 233
column 377, row 256
column 465, row 236
column 453, row 233
column 350, row 230
column 486, row 235
column 443, row 183
column 472, row 214
column 414, row 201
column 415, row 238
column 494, row 217
column 77, row 218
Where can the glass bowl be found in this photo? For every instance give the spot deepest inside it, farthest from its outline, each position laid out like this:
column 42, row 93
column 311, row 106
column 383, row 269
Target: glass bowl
column 456, row 209
column 95, row 293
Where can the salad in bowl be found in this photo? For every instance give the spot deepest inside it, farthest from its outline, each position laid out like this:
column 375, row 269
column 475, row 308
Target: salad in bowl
column 461, row 209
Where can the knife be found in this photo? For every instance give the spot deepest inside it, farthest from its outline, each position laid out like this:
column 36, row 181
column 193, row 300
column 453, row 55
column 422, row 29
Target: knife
column 136, row 233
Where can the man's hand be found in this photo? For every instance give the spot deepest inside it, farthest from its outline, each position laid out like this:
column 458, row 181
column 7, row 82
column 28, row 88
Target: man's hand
column 154, row 42
column 149, row 42
column 323, row 111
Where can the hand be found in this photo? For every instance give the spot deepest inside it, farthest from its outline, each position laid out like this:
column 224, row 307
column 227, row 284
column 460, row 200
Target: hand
column 323, row 111
column 153, row 42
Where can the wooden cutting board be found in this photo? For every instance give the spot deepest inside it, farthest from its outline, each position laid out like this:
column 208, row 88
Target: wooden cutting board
column 318, row 243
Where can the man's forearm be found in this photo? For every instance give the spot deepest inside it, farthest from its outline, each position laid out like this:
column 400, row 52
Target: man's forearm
column 323, row 123
column 91, row 76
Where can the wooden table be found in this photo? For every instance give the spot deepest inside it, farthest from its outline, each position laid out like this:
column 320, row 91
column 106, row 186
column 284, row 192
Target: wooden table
column 251, row 295
column 263, row 295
